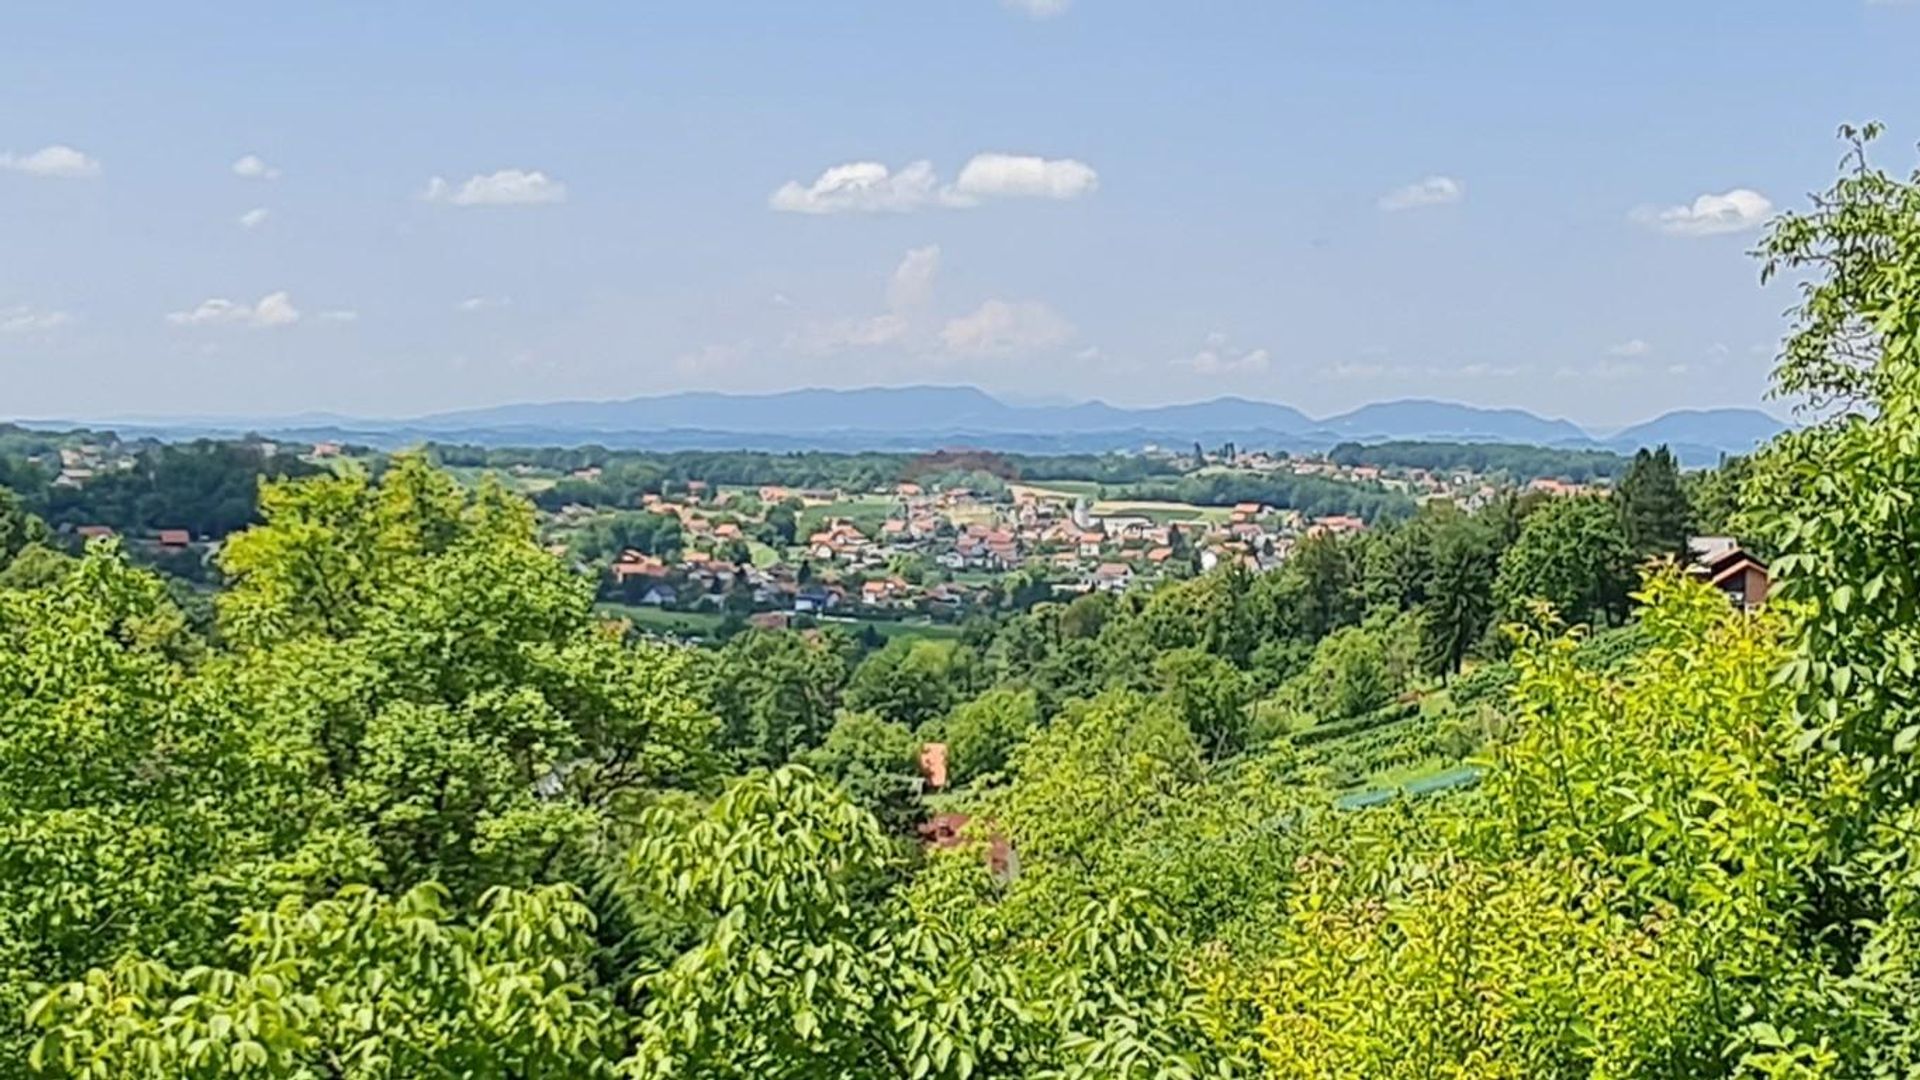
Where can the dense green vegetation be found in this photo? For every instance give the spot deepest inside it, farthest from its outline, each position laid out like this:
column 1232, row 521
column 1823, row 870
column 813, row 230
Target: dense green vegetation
column 408, row 808
column 1518, row 463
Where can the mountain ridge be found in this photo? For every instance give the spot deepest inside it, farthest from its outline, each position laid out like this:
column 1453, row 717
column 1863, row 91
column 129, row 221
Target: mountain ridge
column 929, row 417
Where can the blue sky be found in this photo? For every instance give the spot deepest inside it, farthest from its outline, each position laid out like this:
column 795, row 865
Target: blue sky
column 1138, row 200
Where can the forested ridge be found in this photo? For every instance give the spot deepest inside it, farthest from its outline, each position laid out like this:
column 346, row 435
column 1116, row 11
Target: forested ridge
column 407, row 807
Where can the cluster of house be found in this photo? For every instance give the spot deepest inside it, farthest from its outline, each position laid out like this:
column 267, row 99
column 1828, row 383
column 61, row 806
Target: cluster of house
column 79, row 464
column 937, row 552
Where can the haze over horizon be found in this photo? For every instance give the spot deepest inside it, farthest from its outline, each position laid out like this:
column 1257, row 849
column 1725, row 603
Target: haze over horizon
column 216, row 212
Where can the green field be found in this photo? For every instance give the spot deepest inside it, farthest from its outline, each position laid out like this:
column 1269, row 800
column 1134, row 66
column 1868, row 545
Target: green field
column 1069, row 488
column 891, row 630
column 699, row 624
column 1162, row 513
column 865, row 511
column 656, row 620
column 471, row 475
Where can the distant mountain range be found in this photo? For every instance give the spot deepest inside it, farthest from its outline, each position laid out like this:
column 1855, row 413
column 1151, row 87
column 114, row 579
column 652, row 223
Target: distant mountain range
column 930, row 417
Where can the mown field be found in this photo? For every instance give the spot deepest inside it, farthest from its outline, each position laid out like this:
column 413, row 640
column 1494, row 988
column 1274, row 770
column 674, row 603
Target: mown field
column 701, row 624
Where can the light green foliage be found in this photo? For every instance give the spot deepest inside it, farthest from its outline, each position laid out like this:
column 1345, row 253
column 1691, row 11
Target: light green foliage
column 982, row 734
column 407, row 690
column 1840, row 500
column 358, row 987
column 455, row 683
column 787, row 962
column 123, row 787
column 1573, row 555
column 18, row 529
column 1623, row 903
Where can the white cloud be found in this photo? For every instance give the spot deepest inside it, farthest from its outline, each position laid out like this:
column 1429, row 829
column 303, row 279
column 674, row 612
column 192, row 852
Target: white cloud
column 26, row 320
column 870, row 187
column 61, row 162
column 710, row 360
column 254, row 218
column 1003, row 327
column 1016, row 176
column 909, row 293
column 1220, row 357
column 251, row 167
column 835, row 335
column 1710, row 215
column 1635, row 347
column 338, row 315
column 911, row 286
column 274, row 309
column 1431, row 191
column 1039, row 9
column 482, row 303
column 508, row 187
column 863, row 187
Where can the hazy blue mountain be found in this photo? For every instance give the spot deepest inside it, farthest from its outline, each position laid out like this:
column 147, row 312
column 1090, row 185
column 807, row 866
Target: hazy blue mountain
column 930, row 417
column 875, row 409
column 1733, row 431
column 1416, row 419
column 1227, row 413
column 907, row 408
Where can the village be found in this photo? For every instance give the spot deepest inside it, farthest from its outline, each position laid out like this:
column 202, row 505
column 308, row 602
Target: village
column 912, row 551
column 925, row 552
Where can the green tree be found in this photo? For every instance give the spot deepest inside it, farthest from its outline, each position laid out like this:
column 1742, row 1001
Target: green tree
column 911, row 682
column 982, row 734
column 1573, row 554
column 1209, row 695
column 1654, row 513
column 1350, row 675
column 18, row 529
column 359, row 986
column 1459, row 601
column 776, row 693
column 877, row 762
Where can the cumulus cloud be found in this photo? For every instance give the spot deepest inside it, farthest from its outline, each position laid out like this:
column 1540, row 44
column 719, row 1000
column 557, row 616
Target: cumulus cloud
column 909, row 293
column 274, row 309
column 1019, row 176
column 27, row 320
column 1634, row 347
column 508, row 187
column 835, row 335
column 254, row 218
column 1038, row 9
column 1002, row 327
column 913, row 325
column 1219, row 356
column 911, row 286
column 1431, row 191
column 251, row 167
column 482, row 303
column 1710, row 215
column 59, row 162
column 863, row 187
column 871, row 187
